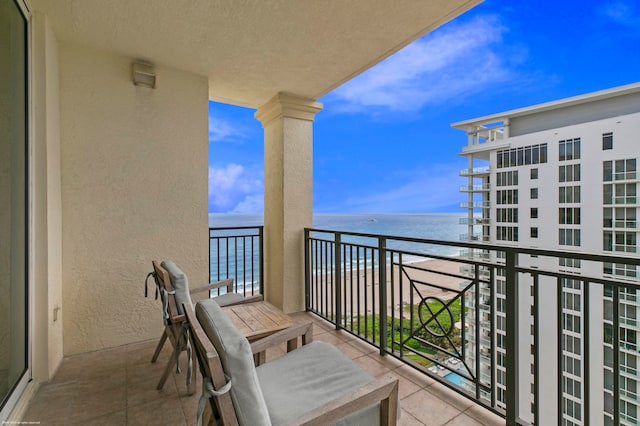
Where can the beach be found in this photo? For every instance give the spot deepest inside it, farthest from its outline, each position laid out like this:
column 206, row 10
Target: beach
column 406, row 284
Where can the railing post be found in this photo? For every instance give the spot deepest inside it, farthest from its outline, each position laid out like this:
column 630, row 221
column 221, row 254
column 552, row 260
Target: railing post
column 307, row 271
column 512, row 394
column 338, row 278
column 382, row 289
column 261, row 266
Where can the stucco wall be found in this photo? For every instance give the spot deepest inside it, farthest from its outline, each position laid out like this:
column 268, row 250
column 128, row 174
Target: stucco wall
column 46, row 237
column 134, row 188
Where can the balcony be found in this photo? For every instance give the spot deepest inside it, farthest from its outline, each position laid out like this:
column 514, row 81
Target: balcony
column 424, row 316
column 475, row 205
column 475, row 188
column 122, row 390
column 475, row 221
column 476, row 171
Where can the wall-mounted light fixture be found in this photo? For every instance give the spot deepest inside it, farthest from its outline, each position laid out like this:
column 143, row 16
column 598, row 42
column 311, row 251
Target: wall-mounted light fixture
column 144, row 74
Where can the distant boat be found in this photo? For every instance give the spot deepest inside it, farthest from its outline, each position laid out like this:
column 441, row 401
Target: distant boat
column 372, row 220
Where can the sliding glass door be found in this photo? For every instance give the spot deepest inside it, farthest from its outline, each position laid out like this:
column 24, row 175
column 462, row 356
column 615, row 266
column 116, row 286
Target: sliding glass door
column 13, row 202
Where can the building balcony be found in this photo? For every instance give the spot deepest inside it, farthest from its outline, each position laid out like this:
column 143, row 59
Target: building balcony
column 475, row 205
column 475, row 221
column 118, row 387
column 476, row 171
column 478, row 236
column 475, row 188
column 411, row 318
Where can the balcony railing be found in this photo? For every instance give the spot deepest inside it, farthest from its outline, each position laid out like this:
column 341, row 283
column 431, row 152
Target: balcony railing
column 488, row 334
column 237, row 253
column 475, row 221
column 475, row 188
column 475, row 171
column 475, row 205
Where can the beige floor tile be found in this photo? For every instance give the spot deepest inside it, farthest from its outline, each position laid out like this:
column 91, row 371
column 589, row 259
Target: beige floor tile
column 463, row 420
column 407, row 419
column 428, row 409
column 449, row 396
column 349, row 350
column 406, row 386
column 110, row 419
column 414, row 375
column 363, row 346
column 332, row 338
column 370, row 364
column 156, row 412
column 484, row 416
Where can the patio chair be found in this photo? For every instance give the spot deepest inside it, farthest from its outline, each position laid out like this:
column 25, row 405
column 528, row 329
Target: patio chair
column 173, row 287
column 313, row 384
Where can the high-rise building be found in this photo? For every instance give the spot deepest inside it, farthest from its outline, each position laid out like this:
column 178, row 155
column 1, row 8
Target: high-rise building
column 561, row 175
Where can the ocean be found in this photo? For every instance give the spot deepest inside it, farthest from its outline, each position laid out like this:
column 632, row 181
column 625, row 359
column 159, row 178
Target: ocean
column 435, row 226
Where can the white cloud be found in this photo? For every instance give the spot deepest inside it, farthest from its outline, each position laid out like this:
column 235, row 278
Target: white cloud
column 456, row 59
column 432, row 190
column 235, row 188
column 251, row 204
column 224, row 130
column 621, row 12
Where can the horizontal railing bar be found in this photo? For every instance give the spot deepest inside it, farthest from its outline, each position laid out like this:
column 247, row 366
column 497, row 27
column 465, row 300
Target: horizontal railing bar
column 233, row 228
column 483, row 246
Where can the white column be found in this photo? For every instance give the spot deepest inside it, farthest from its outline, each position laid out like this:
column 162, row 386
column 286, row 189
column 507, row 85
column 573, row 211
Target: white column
column 288, row 159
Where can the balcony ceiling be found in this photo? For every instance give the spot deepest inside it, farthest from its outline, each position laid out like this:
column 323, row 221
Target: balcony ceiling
column 251, row 50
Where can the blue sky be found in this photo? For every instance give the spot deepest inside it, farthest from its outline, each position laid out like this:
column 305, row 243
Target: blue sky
column 383, row 141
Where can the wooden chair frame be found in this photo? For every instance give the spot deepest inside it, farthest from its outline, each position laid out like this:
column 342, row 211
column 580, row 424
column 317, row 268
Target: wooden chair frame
column 383, row 390
column 173, row 327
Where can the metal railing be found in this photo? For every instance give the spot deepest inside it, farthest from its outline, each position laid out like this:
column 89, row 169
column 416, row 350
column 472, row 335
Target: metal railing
column 237, row 252
column 499, row 334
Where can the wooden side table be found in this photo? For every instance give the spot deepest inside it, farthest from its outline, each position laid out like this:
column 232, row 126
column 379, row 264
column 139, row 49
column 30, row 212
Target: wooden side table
column 258, row 319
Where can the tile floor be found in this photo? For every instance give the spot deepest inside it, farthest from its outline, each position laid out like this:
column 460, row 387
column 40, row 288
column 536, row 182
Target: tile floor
column 118, row 387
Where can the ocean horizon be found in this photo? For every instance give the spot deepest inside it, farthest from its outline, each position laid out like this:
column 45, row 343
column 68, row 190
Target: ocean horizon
column 433, row 226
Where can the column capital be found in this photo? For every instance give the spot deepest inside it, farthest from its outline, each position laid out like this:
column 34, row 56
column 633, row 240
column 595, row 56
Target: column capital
column 286, row 105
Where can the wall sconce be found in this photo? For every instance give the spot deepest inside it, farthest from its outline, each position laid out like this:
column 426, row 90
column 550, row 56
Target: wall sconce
column 144, row 74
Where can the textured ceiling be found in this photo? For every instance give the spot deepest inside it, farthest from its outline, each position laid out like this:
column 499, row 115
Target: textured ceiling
column 251, row 50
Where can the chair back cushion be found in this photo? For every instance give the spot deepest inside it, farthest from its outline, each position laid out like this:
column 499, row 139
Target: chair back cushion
column 237, row 362
column 180, row 284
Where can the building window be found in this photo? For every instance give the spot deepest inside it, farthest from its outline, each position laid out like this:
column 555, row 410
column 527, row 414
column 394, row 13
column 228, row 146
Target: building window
column 534, row 212
column 534, row 174
column 607, row 141
column 534, row 232
column 569, row 237
column 509, row 178
column 619, row 241
column 569, row 215
column 607, row 194
column 625, row 217
column 625, row 242
column 619, row 170
column 509, row 215
column 569, row 262
column 522, row 156
column 625, row 193
column 569, row 173
column 607, row 241
column 569, row 149
column 507, row 233
column 507, row 196
column 534, row 193
column 569, row 194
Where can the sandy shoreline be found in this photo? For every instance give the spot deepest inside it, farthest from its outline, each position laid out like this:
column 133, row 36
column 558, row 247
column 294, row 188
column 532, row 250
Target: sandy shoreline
column 426, row 276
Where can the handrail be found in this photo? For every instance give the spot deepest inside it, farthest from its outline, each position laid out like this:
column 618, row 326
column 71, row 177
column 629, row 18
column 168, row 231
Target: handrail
column 381, row 289
column 238, row 252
